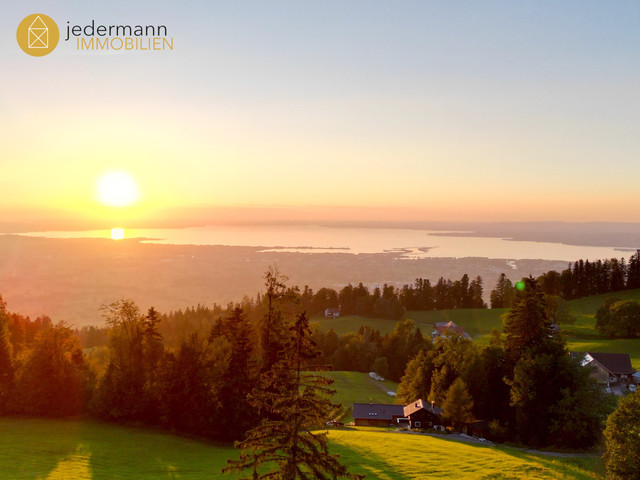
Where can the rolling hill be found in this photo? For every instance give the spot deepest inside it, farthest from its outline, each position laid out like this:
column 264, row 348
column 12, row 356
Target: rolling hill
column 78, row 450
column 582, row 336
column 358, row 387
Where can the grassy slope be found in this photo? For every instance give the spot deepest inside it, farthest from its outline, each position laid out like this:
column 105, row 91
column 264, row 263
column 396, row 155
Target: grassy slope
column 70, row 450
column 357, row 387
column 52, row 449
column 582, row 336
column 388, row 455
column 478, row 323
column 474, row 321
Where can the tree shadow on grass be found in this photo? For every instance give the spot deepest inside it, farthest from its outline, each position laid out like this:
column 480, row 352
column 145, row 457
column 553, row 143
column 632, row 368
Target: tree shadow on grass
column 32, row 448
column 585, row 467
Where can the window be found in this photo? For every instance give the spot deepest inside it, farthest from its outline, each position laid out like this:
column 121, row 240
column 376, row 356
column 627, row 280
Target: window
column 417, row 424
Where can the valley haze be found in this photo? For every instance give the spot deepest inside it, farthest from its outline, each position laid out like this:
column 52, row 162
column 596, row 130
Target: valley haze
column 70, row 278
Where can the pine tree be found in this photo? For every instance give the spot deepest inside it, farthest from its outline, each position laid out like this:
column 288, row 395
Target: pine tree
column 527, row 325
column 633, row 271
column 239, row 378
column 416, row 381
column 271, row 329
column 287, row 448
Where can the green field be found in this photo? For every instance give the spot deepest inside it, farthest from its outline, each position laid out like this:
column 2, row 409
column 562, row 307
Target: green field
column 357, row 387
column 70, row 450
column 384, row 454
column 474, row 321
column 74, row 450
column 581, row 337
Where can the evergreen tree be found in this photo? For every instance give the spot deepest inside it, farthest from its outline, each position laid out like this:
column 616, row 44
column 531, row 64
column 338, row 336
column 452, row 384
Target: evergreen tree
column 554, row 400
column 633, row 271
column 287, row 448
column 527, row 325
column 239, row 378
column 192, row 399
column 502, row 295
column 475, row 294
column 131, row 388
column 416, row 381
column 272, row 328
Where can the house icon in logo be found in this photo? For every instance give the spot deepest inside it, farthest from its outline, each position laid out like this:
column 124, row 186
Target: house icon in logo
column 38, row 34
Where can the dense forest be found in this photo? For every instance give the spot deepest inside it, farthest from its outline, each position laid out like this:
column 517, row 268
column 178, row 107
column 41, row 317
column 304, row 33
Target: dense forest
column 196, row 371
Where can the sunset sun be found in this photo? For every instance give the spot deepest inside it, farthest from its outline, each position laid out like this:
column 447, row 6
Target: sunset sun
column 117, row 189
column 117, row 233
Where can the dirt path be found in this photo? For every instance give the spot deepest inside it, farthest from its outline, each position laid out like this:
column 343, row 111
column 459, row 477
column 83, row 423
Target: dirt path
column 379, row 385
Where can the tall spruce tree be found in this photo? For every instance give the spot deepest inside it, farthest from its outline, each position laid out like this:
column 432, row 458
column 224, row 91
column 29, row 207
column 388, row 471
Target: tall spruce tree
column 287, row 448
column 549, row 392
column 239, row 379
column 527, row 325
column 272, row 326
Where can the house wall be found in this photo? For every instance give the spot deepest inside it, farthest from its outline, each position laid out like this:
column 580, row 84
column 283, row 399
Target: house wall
column 424, row 419
column 371, row 422
column 600, row 374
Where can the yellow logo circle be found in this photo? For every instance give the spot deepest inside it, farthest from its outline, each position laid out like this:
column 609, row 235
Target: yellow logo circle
column 38, row 35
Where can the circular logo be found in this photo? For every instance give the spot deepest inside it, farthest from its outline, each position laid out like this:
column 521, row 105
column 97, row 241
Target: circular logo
column 38, row 35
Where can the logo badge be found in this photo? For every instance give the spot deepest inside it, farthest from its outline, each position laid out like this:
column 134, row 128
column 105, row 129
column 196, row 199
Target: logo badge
column 38, row 34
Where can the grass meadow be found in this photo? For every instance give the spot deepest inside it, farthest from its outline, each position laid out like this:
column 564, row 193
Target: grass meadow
column 77, row 450
column 581, row 336
column 384, row 454
column 42, row 449
column 357, row 387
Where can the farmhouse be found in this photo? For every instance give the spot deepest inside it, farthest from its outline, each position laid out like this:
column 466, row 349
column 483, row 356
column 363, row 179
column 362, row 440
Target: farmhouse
column 608, row 367
column 376, row 414
column 332, row 312
column 423, row 415
column 442, row 328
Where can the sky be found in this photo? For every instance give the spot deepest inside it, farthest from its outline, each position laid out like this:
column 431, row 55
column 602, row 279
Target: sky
column 361, row 110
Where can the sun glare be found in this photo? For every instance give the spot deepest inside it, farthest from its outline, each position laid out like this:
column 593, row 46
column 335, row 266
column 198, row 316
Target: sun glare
column 117, row 189
column 117, row 233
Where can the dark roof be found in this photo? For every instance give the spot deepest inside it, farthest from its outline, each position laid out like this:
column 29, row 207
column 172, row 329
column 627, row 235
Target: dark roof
column 377, row 410
column 421, row 405
column 615, row 363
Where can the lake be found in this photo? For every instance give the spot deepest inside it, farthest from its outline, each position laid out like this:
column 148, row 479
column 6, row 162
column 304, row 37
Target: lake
column 406, row 243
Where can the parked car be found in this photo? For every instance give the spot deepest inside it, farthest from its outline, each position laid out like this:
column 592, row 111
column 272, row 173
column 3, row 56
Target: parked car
column 334, row 423
column 632, row 387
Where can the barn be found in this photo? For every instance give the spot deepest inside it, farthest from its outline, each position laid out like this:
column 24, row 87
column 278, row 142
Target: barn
column 376, row 414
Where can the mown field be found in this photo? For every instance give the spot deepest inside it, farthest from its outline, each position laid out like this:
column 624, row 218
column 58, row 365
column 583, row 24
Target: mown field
column 74, row 450
column 581, row 337
column 392, row 455
column 357, row 387
column 475, row 321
